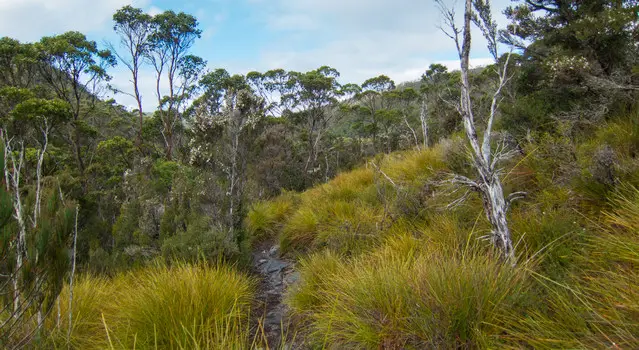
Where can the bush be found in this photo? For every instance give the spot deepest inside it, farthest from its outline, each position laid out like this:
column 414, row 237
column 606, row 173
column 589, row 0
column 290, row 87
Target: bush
column 201, row 240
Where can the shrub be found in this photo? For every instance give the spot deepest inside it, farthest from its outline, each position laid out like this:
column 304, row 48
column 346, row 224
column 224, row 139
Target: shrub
column 202, row 239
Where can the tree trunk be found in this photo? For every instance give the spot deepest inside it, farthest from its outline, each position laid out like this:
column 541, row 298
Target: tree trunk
column 423, row 117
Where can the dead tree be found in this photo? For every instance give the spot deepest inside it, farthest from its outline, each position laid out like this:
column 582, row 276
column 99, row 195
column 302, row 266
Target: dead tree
column 423, row 118
column 484, row 159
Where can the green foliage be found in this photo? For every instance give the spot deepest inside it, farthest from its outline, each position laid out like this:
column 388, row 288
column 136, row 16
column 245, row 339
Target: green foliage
column 201, row 240
column 163, row 172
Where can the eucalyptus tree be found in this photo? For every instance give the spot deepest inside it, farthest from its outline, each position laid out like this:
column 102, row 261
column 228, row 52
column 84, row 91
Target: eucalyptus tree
column 373, row 99
column 17, row 63
column 485, row 159
column 403, row 101
column 74, row 68
column 269, row 86
column 173, row 36
column 35, row 236
column 311, row 98
column 228, row 119
column 134, row 27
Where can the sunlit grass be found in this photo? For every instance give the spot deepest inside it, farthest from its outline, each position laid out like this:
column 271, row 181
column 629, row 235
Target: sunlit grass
column 159, row 307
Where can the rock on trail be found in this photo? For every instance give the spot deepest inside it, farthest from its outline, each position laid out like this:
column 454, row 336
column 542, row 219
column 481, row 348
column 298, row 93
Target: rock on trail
column 277, row 274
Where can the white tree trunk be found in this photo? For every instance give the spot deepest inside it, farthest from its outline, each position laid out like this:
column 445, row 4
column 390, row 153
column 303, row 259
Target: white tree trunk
column 12, row 177
column 412, row 131
column 489, row 185
column 423, row 117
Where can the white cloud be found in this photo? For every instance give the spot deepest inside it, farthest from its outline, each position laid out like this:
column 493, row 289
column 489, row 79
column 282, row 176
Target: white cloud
column 29, row 20
column 154, row 10
column 361, row 39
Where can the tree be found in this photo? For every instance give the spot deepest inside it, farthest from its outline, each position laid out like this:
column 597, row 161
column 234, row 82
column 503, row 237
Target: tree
column 602, row 31
column 269, row 86
column 309, row 97
column 437, row 88
column 17, row 63
column 74, row 68
column 403, row 101
column 373, row 99
column 172, row 37
column 484, row 159
column 228, row 116
column 40, row 241
column 134, row 28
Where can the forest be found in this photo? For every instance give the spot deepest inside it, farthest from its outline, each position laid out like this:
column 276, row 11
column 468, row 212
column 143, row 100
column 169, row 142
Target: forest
column 472, row 208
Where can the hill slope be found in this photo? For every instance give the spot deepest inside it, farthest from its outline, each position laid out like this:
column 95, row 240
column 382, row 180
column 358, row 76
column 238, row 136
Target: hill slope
column 387, row 262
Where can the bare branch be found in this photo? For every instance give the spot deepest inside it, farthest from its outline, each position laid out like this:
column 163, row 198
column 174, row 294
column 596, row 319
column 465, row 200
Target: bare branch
column 513, row 197
column 383, row 174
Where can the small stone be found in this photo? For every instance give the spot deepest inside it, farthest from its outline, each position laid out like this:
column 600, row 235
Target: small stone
column 261, row 261
column 274, row 250
column 292, row 278
column 276, row 265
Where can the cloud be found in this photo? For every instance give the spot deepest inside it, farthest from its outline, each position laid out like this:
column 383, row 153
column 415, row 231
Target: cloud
column 154, row 11
column 361, row 39
column 29, row 20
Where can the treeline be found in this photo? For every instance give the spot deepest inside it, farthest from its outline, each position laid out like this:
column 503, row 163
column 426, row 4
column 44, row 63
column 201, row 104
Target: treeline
column 87, row 181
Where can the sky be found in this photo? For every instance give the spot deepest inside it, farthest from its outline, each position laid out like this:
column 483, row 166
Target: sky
column 360, row 38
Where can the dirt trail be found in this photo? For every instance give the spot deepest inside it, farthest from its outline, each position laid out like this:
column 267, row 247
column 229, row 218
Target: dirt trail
column 276, row 274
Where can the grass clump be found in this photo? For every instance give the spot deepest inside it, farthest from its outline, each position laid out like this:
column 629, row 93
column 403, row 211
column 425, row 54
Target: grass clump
column 352, row 212
column 265, row 218
column 159, row 307
column 406, row 295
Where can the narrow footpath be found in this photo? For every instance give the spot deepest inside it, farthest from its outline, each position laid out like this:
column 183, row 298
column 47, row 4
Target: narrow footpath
column 276, row 275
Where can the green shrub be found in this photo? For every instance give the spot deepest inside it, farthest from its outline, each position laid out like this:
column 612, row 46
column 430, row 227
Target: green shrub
column 201, row 240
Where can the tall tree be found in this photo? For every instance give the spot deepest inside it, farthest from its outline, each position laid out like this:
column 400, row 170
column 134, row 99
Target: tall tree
column 134, row 28
column 74, row 68
column 373, row 99
column 310, row 96
column 602, row 31
column 40, row 232
column 17, row 63
column 228, row 116
column 173, row 36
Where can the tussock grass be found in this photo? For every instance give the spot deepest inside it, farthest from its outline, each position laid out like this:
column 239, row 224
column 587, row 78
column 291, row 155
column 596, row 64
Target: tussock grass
column 390, row 266
column 406, row 295
column 265, row 218
column 352, row 212
column 159, row 307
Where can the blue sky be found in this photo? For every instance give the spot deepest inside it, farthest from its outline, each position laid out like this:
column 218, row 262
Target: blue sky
column 360, row 38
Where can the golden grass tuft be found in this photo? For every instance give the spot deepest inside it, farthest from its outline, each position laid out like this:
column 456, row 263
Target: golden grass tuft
column 405, row 295
column 158, row 307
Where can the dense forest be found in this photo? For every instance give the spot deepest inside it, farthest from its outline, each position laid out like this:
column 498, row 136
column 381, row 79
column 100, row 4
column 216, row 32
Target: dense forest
column 481, row 207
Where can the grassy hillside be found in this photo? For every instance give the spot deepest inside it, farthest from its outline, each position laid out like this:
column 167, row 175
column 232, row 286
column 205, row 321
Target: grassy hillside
column 387, row 262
